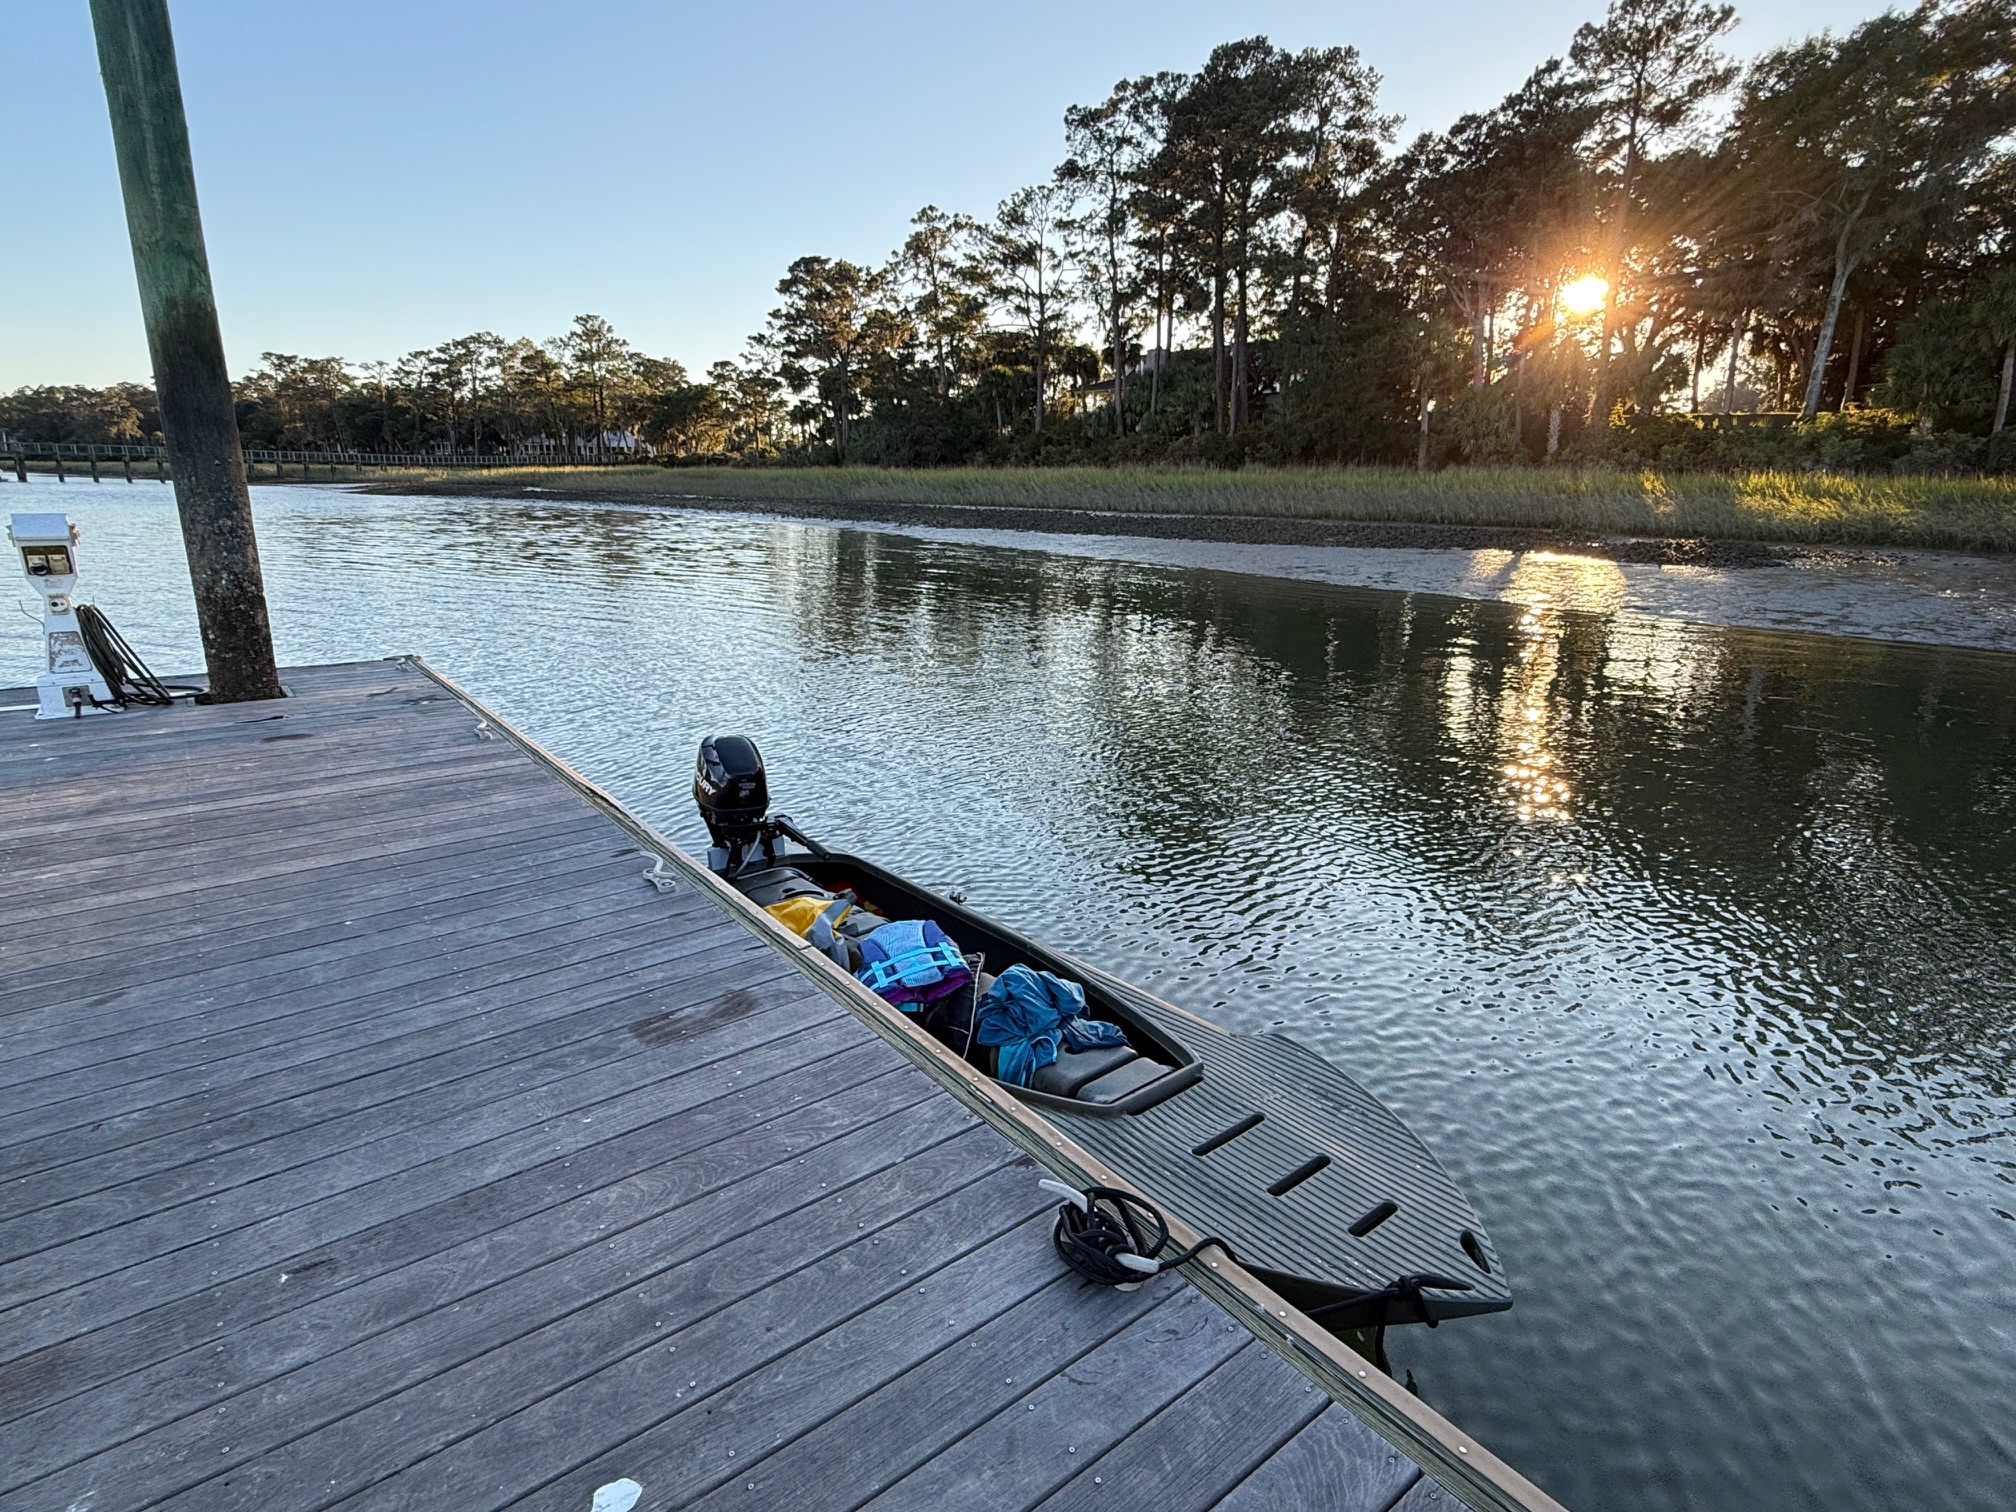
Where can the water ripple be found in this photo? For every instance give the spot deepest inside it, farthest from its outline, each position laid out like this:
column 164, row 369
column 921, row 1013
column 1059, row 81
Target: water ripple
column 1690, row 950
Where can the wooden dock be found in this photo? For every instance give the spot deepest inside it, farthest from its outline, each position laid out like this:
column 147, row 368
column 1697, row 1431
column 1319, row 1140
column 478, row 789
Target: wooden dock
column 374, row 1134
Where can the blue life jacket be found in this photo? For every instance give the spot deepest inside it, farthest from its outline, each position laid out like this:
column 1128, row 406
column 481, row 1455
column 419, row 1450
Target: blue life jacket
column 911, row 962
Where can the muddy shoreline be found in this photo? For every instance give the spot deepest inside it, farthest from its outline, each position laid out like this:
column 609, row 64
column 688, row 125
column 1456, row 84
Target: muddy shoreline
column 1241, row 530
column 1883, row 593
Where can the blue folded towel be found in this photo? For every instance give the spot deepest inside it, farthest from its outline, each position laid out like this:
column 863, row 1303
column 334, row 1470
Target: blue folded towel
column 1027, row 1014
column 1091, row 1034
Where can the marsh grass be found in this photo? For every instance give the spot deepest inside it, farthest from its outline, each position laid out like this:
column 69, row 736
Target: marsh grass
column 1969, row 514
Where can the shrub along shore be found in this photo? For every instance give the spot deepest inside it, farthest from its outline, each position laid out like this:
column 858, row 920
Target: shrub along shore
column 1455, row 506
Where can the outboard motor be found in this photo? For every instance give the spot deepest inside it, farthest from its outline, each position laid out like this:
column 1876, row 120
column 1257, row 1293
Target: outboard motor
column 733, row 794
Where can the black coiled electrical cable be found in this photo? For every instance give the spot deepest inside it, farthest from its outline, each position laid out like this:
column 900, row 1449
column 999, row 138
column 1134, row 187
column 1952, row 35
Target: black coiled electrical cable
column 1114, row 1223
column 131, row 680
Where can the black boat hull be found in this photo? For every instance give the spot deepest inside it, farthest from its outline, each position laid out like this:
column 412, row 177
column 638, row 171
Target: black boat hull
column 1320, row 1188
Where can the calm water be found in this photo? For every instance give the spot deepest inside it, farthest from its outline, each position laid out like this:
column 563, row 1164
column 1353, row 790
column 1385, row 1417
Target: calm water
column 1690, row 951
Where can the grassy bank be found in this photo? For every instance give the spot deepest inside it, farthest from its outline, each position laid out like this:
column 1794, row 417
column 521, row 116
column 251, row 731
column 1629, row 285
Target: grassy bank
column 1968, row 514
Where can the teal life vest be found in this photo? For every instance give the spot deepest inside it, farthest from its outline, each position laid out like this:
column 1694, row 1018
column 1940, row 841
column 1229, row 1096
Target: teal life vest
column 911, row 962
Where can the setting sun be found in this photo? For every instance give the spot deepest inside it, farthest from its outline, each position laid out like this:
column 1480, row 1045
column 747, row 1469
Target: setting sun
column 1584, row 296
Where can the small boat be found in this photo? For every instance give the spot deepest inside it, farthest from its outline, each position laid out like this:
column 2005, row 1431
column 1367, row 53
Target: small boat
column 1318, row 1186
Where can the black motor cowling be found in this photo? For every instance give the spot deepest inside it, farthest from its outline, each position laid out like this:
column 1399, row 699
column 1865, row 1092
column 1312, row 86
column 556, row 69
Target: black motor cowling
column 731, row 789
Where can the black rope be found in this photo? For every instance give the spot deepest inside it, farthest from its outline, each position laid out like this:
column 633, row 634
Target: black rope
column 131, row 680
column 1114, row 1223
column 1399, row 1289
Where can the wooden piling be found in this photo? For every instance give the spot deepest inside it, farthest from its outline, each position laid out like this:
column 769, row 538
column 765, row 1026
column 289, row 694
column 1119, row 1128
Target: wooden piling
column 136, row 56
column 61, row 476
column 93, row 459
column 20, row 465
column 126, row 461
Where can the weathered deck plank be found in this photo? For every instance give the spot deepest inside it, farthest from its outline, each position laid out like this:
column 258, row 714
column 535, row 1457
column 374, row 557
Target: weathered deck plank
column 383, row 1280
column 136, row 1181
column 421, row 1043
column 931, row 1399
column 324, row 1022
column 428, row 1084
column 1429, row 1496
column 673, row 1339
column 408, row 1156
column 1335, row 1462
column 598, row 1181
column 1035, row 1444
column 1194, row 1451
column 130, row 1020
column 374, row 1137
column 250, row 948
column 187, row 1455
column 457, row 866
column 275, row 1238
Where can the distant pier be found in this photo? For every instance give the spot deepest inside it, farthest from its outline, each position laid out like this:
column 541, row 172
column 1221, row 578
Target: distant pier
column 387, row 1120
column 102, row 460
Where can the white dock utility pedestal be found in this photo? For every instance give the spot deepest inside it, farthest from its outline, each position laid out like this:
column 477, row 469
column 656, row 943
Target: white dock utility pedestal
column 69, row 684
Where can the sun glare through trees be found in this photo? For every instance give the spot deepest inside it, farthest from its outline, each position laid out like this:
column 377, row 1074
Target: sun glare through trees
column 1638, row 253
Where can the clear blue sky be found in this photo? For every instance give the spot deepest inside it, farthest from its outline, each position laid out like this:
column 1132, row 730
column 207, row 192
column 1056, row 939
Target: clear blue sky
column 380, row 176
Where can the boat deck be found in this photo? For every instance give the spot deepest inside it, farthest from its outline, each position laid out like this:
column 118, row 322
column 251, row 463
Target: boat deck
column 373, row 1135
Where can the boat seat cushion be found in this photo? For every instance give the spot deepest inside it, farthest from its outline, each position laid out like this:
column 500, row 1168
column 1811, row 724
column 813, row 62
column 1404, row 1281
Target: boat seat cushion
column 776, row 884
column 1128, row 1079
column 1074, row 1068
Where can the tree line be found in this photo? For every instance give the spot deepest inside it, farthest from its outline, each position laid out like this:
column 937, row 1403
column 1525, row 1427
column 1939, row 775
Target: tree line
column 1645, row 253
column 585, row 391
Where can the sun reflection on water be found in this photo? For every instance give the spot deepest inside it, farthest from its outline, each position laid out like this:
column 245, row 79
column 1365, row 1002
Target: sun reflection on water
column 1540, row 792
column 1546, row 583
